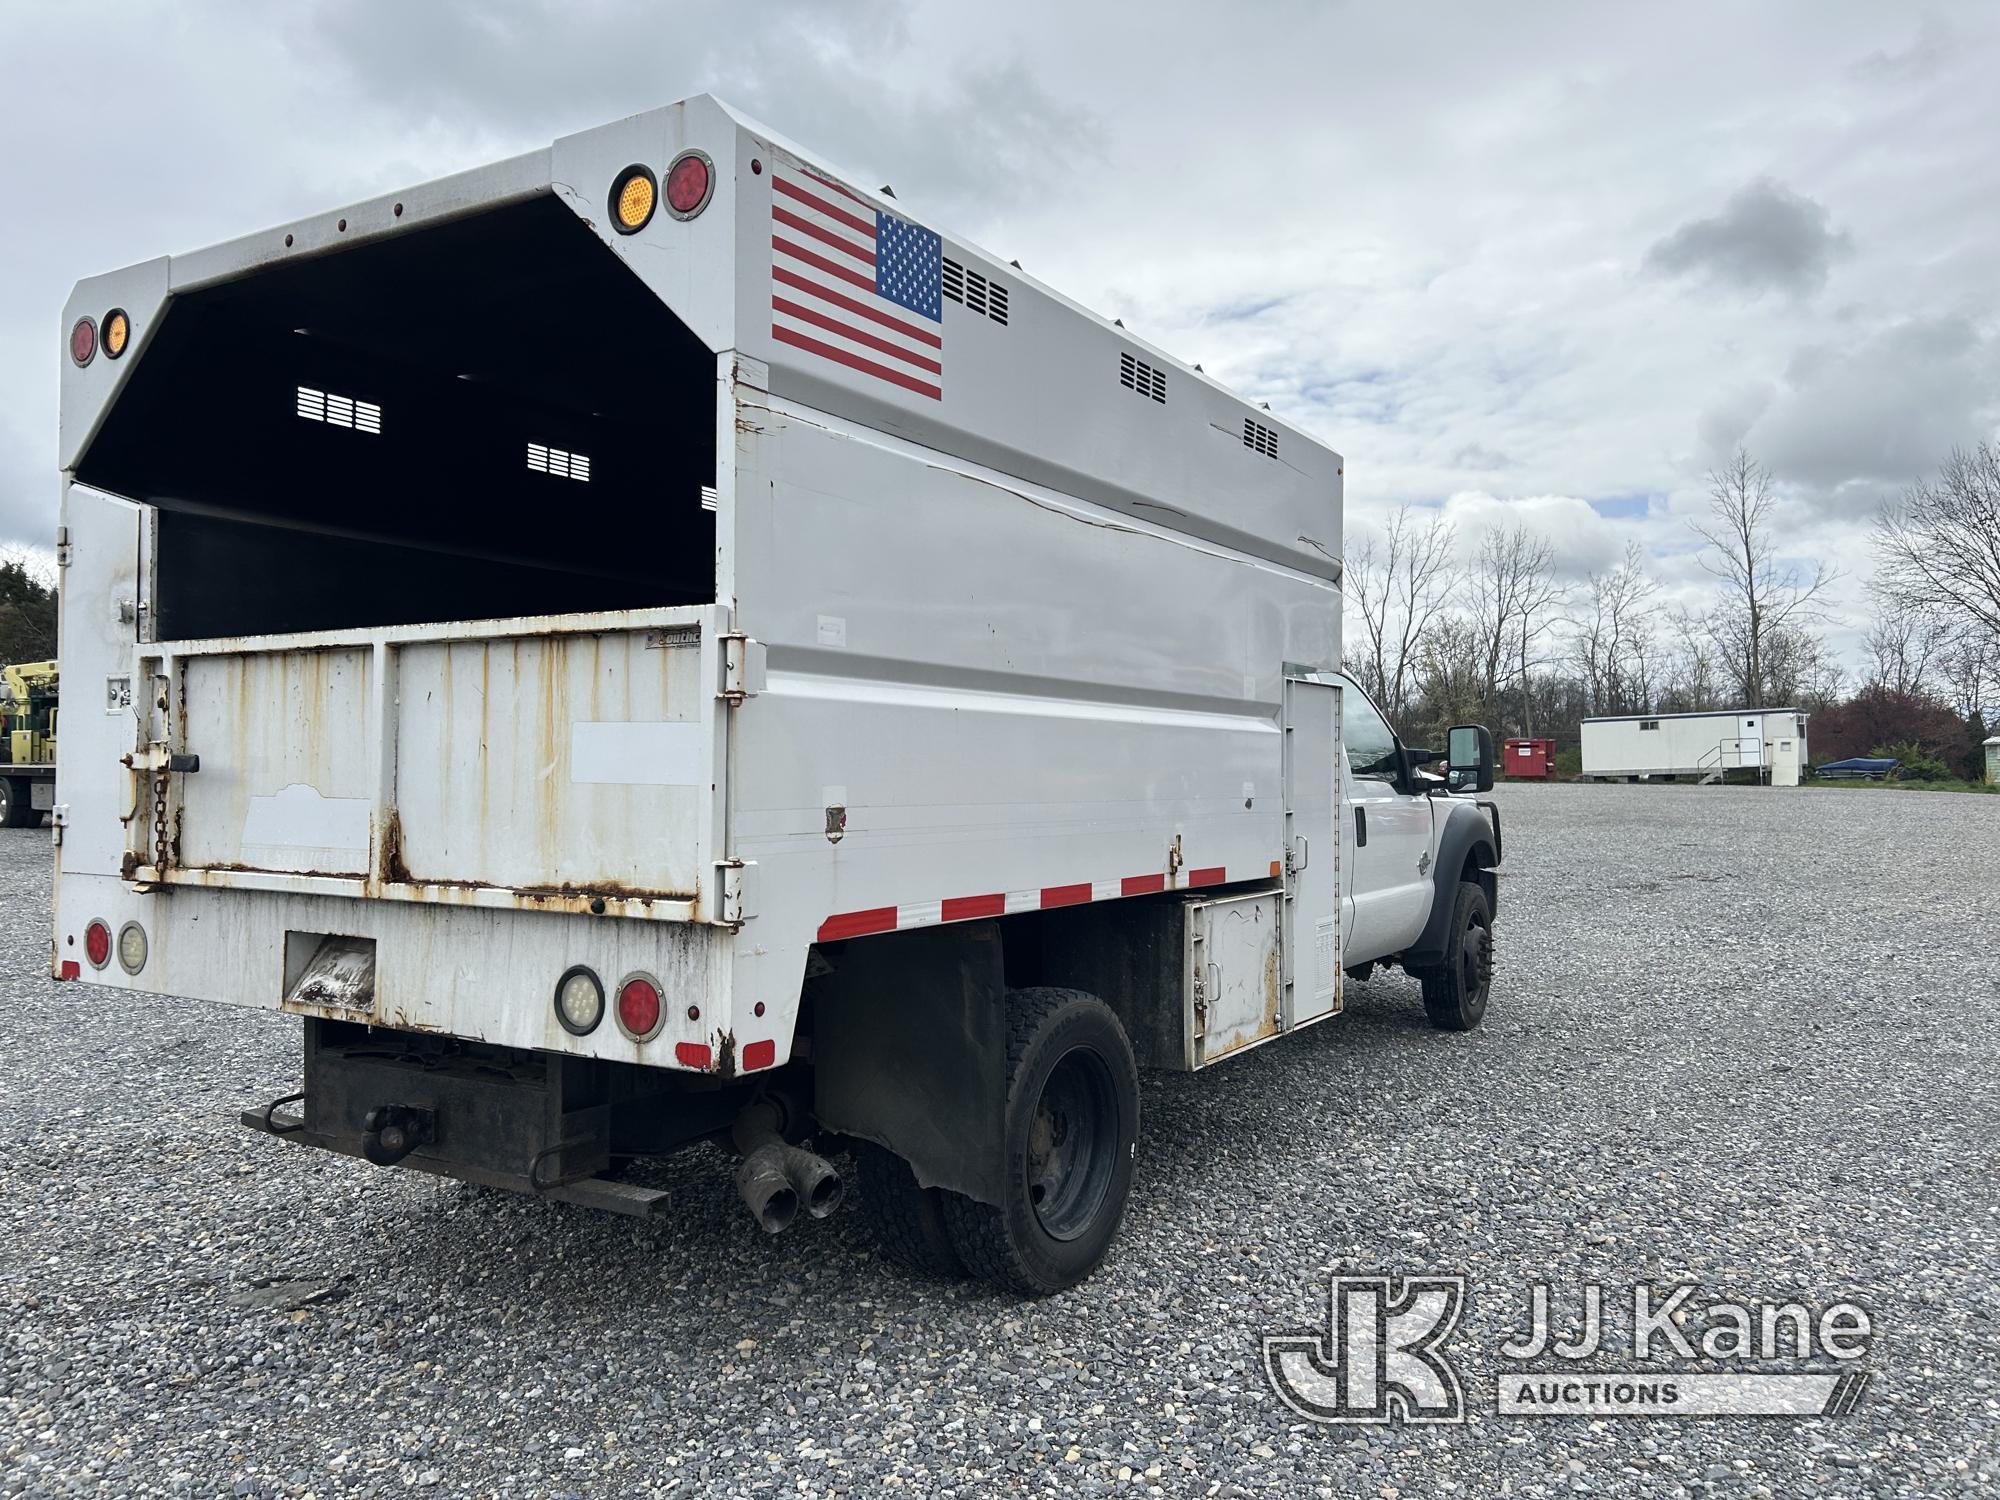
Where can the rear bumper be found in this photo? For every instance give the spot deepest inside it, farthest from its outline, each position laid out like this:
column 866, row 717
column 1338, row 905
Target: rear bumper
column 461, row 972
column 529, row 1122
column 585, row 1192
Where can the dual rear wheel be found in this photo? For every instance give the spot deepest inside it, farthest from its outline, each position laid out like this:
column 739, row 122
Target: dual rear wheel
column 1070, row 1135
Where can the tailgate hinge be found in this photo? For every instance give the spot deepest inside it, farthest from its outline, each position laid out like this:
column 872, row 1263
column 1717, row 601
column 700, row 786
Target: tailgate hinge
column 735, row 901
column 742, row 669
column 58, row 821
column 62, row 547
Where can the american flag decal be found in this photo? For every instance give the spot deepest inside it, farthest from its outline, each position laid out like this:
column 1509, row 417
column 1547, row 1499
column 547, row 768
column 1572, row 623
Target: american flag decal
column 856, row 286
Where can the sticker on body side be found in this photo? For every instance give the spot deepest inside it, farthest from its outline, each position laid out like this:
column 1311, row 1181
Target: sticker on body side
column 652, row 753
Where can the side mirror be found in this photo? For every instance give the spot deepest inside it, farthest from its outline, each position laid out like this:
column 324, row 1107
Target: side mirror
column 1469, row 763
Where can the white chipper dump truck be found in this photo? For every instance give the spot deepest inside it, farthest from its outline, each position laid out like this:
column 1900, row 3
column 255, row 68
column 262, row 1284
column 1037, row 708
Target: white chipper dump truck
column 650, row 642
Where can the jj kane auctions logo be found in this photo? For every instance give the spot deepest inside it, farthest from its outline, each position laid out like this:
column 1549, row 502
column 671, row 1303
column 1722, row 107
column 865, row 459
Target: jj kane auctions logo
column 1383, row 1356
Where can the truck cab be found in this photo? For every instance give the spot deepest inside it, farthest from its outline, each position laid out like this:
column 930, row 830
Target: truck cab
column 1420, row 853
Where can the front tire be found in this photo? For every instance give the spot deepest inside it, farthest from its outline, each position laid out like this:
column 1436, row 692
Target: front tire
column 1455, row 991
column 1070, row 1135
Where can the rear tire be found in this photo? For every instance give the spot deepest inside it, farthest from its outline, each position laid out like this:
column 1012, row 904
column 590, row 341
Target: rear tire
column 15, row 800
column 906, row 1220
column 1455, row 991
column 1069, row 1137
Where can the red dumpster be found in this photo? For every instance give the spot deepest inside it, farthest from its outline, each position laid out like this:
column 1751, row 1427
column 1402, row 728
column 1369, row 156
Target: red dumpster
column 1529, row 760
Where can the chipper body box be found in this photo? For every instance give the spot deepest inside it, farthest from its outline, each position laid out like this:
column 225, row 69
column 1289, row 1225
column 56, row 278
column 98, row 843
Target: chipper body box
column 576, row 618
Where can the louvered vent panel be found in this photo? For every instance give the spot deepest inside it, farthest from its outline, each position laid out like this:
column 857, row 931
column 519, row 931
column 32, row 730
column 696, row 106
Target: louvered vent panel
column 338, row 411
column 1136, row 375
column 559, row 462
column 974, row 292
column 1259, row 438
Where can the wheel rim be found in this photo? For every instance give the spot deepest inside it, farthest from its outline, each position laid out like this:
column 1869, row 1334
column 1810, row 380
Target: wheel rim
column 1072, row 1143
column 1474, row 955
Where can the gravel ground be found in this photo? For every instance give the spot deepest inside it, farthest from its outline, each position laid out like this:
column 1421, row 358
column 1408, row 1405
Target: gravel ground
column 1740, row 1036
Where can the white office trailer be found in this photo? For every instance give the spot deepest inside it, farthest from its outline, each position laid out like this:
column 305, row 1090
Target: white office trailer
column 1770, row 741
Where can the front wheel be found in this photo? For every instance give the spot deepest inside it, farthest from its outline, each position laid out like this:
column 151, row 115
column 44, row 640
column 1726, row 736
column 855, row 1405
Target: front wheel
column 16, row 809
column 1070, row 1135
column 1455, row 990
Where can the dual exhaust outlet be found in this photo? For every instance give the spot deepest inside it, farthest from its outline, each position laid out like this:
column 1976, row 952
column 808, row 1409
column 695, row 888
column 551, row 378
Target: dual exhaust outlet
column 775, row 1179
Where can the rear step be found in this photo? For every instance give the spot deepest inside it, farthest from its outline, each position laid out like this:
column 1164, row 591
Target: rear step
column 585, row 1192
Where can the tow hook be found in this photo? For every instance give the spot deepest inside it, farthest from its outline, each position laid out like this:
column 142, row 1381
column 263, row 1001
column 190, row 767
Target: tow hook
column 392, row 1131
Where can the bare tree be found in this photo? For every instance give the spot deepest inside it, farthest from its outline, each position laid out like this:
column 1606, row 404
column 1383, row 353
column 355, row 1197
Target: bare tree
column 1938, row 546
column 1903, row 644
column 1799, row 670
column 1397, row 590
column 1691, row 684
column 1450, row 673
column 1611, row 648
column 1513, row 598
column 1762, row 596
column 1969, row 669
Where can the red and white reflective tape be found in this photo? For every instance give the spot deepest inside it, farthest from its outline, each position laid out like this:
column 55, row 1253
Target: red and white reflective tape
column 849, row 924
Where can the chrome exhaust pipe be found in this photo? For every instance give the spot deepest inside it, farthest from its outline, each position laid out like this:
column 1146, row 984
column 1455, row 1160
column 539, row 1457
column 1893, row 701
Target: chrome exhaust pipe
column 815, row 1181
column 766, row 1190
column 775, row 1177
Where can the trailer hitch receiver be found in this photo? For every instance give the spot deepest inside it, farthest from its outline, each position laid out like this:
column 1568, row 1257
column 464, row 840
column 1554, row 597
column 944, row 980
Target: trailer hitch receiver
column 392, row 1131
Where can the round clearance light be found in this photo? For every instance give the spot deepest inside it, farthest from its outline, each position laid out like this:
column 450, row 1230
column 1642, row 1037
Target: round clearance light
column 690, row 184
column 579, row 1001
column 634, row 196
column 117, row 332
column 131, row 945
column 83, row 341
column 639, row 1010
column 97, row 943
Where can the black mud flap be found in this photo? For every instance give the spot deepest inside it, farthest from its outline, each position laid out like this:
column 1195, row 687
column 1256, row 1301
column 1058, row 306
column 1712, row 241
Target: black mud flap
column 910, row 1051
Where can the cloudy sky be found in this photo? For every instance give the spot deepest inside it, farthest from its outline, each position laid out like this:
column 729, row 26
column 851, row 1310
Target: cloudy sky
column 1550, row 261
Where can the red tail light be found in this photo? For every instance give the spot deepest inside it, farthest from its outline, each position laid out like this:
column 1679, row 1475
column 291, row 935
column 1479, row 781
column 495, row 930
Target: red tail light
column 83, row 341
column 690, row 180
column 639, row 1008
column 97, row 944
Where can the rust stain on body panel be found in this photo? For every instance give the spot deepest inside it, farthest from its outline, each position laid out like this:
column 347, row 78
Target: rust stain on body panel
column 1274, row 990
column 474, row 810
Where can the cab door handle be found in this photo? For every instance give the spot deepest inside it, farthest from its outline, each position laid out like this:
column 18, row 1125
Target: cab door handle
column 1360, row 827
